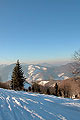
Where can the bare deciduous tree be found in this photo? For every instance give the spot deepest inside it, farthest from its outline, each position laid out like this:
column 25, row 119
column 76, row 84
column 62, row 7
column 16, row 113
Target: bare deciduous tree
column 76, row 57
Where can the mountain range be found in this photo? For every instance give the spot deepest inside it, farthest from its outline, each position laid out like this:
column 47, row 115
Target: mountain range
column 33, row 72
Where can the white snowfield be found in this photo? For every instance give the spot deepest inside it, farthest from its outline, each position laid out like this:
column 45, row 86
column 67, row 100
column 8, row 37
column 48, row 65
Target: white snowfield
column 43, row 82
column 28, row 106
column 60, row 75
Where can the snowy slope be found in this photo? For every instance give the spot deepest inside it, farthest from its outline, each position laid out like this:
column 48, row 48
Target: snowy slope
column 62, row 77
column 28, row 106
column 37, row 72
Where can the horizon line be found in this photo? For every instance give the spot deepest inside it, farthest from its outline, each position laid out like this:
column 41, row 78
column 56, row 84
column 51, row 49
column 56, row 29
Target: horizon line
column 55, row 62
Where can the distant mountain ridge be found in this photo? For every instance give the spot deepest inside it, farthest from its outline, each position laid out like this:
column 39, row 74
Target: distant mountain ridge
column 34, row 72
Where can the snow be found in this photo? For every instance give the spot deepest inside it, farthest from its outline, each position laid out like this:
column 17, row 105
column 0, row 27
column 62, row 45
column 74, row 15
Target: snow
column 72, row 104
column 7, row 100
column 19, row 105
column 60, row 75
column 49, row 100
column 39, row 79
column 65, row 77
column 38, row 67
column 30, row 72
column 52, row 85
column 33, row 73
column 44, row 68
column 36, row 76
column 43, row 83
column 30, row 67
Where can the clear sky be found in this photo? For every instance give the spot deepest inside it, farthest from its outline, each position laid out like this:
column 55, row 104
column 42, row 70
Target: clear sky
column 39, row 30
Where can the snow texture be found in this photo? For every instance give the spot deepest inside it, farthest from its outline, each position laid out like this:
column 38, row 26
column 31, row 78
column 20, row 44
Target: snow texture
column 60, row 75
column 21, row 105
column 43, row 82
column 35, row 73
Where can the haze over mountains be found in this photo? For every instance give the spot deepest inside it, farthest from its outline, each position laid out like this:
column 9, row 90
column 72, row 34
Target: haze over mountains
column 38, row 72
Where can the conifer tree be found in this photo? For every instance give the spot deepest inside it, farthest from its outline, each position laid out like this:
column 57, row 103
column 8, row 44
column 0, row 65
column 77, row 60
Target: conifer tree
column 48, row 91
column 17, row 82
column 56, row 89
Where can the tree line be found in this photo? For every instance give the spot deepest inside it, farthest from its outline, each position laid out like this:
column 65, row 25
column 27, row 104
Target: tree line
column 18, row 79
column 43, row 89
column 67, row 88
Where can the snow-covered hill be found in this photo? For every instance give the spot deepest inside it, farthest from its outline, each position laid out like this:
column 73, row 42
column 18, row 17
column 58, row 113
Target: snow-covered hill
column 37, row 72
column 28, row 106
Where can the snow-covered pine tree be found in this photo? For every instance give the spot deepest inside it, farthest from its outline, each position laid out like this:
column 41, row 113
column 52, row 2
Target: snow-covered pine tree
column 17, row 82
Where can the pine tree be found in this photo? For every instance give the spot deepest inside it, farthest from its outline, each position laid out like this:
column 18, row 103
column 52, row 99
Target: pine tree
column 56, row 89
column 17, row 82
column 48, row 91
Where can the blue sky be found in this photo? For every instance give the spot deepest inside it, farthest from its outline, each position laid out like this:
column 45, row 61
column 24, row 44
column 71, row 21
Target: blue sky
column 39, row 30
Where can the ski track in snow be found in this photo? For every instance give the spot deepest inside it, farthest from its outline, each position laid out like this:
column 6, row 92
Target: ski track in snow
column 8, row 100
column 49, row 100
column 20, row 105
